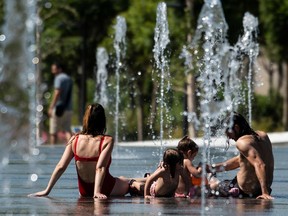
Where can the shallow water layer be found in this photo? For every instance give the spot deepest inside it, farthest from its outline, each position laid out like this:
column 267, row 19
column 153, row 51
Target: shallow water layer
column 16, row 183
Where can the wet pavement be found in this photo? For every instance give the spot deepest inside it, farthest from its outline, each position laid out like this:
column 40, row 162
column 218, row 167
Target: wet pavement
column 21, row 177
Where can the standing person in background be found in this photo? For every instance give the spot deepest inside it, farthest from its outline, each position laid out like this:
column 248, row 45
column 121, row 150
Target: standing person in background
column 60, row 109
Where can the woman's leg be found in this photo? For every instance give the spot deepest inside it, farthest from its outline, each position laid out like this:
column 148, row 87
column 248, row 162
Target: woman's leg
column 121, row 187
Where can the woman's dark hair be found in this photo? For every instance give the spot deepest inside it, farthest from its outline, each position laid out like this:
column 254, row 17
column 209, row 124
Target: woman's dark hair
column 171, row 157
column 94, row 120
column 186, row 144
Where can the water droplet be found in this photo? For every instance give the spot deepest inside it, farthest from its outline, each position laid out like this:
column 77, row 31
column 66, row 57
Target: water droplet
column 39, row 108
column 5, row 161
column 6, row 189
column 48, row 5
column 2, row 37
column 35, row 60
column 31, row 76
column 34, row 177
column 4, row 110
column 47, row 95
column 35, row 151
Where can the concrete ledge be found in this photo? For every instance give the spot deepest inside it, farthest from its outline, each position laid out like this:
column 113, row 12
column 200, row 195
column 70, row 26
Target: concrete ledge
column 277, row 138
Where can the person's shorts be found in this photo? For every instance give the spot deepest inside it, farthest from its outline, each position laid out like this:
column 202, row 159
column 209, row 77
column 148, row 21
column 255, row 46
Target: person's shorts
column 62, row 123
column 226, row 186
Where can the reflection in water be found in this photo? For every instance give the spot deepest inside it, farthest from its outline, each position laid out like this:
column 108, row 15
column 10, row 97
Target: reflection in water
column 51, row 205
column 90, row 206
column 253, row 205
column 155, row 206
column 101, row 207
column 159, row 206
column 213, row 206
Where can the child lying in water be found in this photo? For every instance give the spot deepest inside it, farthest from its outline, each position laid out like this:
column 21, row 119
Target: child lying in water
column 164, row 181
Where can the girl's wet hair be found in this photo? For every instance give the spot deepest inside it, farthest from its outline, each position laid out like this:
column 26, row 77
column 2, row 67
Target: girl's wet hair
column 171, row 157
column 94, row 120
column 186, row 144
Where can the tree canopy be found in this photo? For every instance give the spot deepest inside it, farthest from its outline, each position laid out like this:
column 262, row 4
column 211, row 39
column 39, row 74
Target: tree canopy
column 72, row 30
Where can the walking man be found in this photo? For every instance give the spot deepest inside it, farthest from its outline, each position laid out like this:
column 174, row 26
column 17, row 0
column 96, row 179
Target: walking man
column 60, row 109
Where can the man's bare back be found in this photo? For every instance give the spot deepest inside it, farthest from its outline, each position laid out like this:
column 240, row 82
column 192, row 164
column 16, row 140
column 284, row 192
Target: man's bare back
column 255, row 162
column 254, row 148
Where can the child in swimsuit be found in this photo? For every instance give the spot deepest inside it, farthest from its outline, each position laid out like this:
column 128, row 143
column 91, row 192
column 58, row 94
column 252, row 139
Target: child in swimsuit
column 189, row 149
column 164, row 181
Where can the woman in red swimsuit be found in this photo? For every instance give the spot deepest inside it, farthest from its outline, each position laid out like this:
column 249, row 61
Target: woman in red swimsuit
column 92, row 151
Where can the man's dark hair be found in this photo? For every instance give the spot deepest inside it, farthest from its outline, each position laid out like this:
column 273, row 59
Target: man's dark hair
column 59, row 65
column 238, row 119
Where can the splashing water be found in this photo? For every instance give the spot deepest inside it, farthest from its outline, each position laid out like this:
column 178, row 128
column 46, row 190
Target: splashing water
column 251, row 49
column 101, row 77
column 220, row 89
column 17, row 105
column 212, row 25
column 120, row 49
column 161, row 39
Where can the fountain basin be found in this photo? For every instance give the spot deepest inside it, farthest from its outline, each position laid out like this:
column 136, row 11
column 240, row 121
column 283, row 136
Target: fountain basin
column 277, row 138
column 16, row 183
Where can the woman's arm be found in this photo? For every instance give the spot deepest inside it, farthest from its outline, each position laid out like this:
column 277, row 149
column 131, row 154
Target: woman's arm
column 101, row 166
column 58, row 171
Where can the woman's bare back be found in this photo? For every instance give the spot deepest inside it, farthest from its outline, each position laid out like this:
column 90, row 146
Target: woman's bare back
column 87, row 147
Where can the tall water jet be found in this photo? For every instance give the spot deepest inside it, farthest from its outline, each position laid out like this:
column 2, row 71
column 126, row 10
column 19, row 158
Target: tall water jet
column 213, row 27
column 162, row 76
column 220, row 65
column 101, row 77
column 17, row 80
column 248, row 45
column 120, row 49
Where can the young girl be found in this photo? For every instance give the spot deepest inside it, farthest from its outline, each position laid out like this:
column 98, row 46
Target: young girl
column 164, row 181
column 189, row 149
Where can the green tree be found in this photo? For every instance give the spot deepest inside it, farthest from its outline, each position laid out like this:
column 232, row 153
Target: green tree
column 141, row 21
column 274, row 16
column 70, row 33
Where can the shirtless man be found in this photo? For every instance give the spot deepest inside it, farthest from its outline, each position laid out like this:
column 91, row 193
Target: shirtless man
column 255, row 162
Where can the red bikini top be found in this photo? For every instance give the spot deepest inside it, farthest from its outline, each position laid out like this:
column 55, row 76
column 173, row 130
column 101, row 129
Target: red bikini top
column 78, row 158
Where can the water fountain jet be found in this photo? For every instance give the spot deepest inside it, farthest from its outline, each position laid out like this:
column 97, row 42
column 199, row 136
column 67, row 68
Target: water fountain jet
column 101, row 77
column 120, row 49
column 219, row 86
column 18, row 111
column 162, row 79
